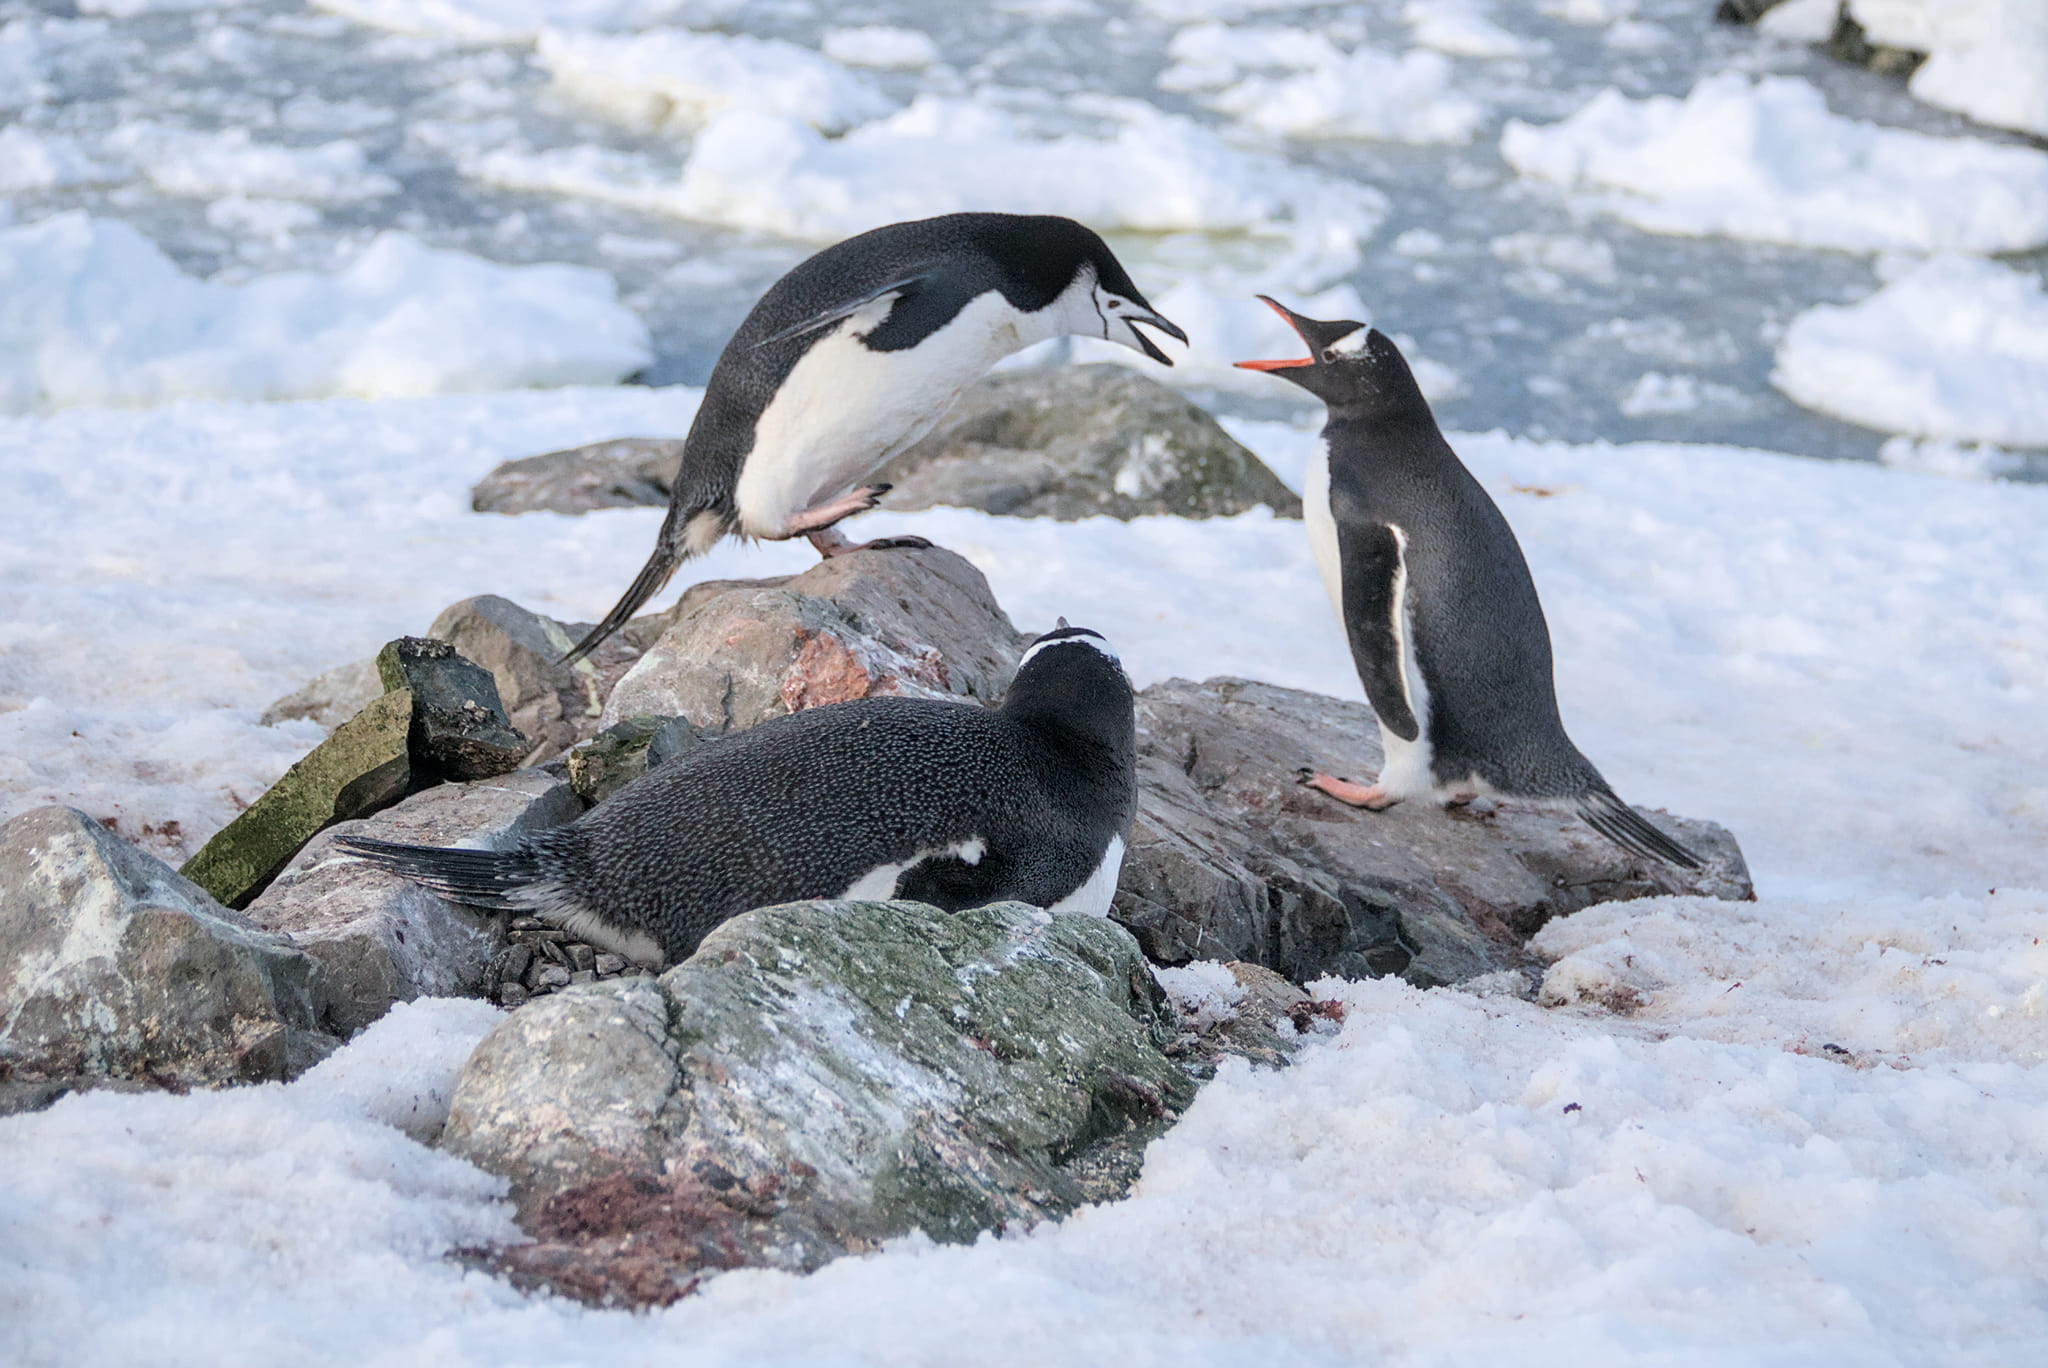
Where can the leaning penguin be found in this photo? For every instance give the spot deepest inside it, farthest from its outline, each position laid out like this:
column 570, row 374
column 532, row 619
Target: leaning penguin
column 1434, row 594
column 852, row 357
column 946, row 803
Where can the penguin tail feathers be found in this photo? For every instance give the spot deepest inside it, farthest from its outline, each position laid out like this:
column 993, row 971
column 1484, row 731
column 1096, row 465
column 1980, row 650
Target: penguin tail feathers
column 500, row 880
column 684, row 535
column 1603, row 811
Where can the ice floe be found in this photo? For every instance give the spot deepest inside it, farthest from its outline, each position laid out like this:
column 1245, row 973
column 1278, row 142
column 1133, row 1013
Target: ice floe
column 671, row 77
column 1985, row 58
column 1956, row 348
column 92, row 312
column 1767, row 160
column 1318, row 90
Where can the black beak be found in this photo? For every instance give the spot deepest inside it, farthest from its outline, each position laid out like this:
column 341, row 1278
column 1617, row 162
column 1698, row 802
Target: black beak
column 1154, row 320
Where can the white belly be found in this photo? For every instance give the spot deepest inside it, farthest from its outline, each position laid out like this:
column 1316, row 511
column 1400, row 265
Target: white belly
column 1406, row 772
column 844, row 411
column 1093, row 897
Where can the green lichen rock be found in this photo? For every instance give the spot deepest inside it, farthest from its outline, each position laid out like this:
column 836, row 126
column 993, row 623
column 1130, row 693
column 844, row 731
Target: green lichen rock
column 817, row 1078
column 365, row 765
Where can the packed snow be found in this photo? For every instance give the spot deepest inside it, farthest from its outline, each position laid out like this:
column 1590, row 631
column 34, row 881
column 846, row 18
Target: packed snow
column 1805, row 1130
column 1955, row 348
column 1985, row 58
column 92, row 312
column 1766, row 159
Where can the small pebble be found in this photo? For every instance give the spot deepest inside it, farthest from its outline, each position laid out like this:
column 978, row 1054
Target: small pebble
column 555, row 952
column 554, row 976
column 512, row 994
column 518, row 958
column 526, row 923
column 583, row 976
column 608, row 965
column 581, row 956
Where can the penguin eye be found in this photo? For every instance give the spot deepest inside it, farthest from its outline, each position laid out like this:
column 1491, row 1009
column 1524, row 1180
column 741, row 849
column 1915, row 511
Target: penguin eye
column 1329, row 353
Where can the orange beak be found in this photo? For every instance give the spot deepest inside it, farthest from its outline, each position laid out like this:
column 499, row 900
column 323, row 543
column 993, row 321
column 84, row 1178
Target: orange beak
column 1277, row 365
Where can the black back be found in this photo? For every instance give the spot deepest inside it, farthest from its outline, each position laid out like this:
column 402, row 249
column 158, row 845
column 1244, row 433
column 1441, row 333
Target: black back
column 1030, row 258
column 802, row 806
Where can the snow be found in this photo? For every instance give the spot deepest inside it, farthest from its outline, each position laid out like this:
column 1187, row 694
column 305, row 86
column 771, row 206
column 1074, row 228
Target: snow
column 1205, row 993
column 181, row 161
column 1322, row 91
column 1462, row 29
column 1955, row 348
column 674, row 78
column 93, row 313
column 1801, row 21
column 1766, row 160
column 1985, row 58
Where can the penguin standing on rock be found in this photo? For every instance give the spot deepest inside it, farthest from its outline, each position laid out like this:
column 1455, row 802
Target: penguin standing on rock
column 1434, row 594
column 854, row 355
column 946, row 803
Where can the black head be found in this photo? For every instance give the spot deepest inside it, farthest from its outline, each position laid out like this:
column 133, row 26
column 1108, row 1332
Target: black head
column 1071, row 679
column 1349, row 366
column 1056, row 263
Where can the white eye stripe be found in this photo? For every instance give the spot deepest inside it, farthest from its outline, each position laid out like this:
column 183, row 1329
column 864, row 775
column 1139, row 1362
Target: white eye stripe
column 1095, row 642
column 1350, row 344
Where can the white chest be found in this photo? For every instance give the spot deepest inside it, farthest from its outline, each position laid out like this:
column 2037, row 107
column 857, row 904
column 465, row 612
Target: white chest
column 845, row 410
column 1093, row 897
column 1322, row 526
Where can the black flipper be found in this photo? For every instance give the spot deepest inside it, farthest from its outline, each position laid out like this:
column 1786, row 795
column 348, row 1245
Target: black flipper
column 1371, row 560
column 1629, row 829
column 478, row 878
column 827, row 317
column 951, row 884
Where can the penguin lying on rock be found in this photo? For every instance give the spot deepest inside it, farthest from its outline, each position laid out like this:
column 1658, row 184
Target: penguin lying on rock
column 951, row 804
column 854, row 355
column 1437, row 602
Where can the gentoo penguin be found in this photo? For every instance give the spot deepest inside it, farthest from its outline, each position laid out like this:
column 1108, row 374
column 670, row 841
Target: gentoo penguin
column 854, row 355
column 948, row 803
column 1431, row 587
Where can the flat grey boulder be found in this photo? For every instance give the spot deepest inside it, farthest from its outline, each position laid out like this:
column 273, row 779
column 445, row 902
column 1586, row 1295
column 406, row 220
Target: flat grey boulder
column 114, row 967
column 1230, row 859
column 1071, row 442
column 331, row 697
column 817, row 1078
column 1060, row 442
column 382, row 940
column 917, row 623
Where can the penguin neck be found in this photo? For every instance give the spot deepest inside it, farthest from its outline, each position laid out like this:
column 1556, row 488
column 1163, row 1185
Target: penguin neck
column 1403, row 434
column 1086, row 711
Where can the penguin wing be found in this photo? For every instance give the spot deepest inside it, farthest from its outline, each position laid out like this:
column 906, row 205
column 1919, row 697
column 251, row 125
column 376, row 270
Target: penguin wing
column 950, row 883
column 1376, row 618
column 847, row 308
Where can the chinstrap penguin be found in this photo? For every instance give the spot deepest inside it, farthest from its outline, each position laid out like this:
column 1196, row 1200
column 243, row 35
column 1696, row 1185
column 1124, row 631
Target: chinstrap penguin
column 946, row 803
column 854, row 355
column 1436, row 600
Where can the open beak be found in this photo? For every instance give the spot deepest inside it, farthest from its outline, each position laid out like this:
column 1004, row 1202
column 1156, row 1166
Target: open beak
column 1151, row 348
column 1293, row 321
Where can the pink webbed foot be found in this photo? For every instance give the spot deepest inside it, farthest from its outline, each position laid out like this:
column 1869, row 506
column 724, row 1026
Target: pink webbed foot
column 1373, row 798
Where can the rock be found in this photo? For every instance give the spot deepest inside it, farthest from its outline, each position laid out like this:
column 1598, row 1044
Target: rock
column 459, row 728
column 1231, row 859
column 383, row 940
column 362, row 767
column 1072, row 442
column 331, row 697
column 553, row 705
column 916, row 623
column 626, row 473
column 624, row 751
column 113, row 966
column 1744, row 11
column 817, row 1078
column 1850, row 44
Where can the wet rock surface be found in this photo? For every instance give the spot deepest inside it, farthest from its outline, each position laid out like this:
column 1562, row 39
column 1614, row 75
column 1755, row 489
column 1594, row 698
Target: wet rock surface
column 1071, row 442
column 1231, row 859
column 459, row 729
column 383, row 940
column 918, row 623
column 116, row 969
column 817, row 1078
